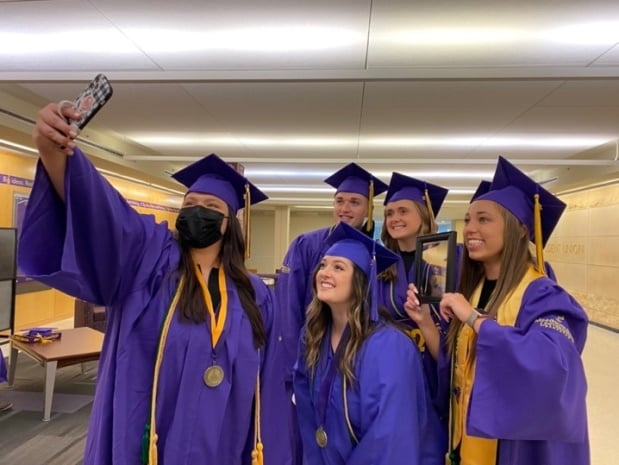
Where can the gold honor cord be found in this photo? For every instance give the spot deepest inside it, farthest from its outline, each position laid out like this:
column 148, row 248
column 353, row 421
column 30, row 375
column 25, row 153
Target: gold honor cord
column 217, row 324
column 346, row 416
column 426, row 197
column 257, row 454
column 152, row 439
column 370, row 222
column 246, row 219
column 537, row 226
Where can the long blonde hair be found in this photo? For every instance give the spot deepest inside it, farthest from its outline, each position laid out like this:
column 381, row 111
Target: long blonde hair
column 427, row 226
column 517, row 257
column 318, row 321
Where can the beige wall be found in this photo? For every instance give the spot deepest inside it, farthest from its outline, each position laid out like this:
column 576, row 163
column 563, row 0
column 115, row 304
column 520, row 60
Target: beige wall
column 584, row 251
column 266, row 254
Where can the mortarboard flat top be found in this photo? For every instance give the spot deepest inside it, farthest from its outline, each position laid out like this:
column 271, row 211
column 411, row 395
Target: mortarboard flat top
column 346, row 241
column 515, row 191
column 353, row 178
column 482, row 188
column 212, row 175
column 403, row 187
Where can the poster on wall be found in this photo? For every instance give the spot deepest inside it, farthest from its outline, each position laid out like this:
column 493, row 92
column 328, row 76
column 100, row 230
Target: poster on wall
column 20, row 201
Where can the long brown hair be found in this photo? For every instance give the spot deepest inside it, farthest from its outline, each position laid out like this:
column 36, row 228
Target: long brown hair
column 427, row 226
column 232, row 257
column 516, row 253
column 319, row 320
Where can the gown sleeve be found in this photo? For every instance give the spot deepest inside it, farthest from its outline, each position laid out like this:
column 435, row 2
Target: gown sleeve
column 529, row 379
column 94, row 245
column 393, row 402
column 292, row 288
column 277, row 436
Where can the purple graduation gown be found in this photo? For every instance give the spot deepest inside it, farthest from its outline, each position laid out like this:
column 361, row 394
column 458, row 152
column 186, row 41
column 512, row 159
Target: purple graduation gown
column 389, row 407
column 2, row 369
column 392, row 296
column 97, row 248
column 294, row 287
column 530, row 387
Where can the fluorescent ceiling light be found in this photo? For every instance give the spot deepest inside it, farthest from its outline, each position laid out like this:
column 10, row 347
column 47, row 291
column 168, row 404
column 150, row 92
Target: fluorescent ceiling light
column 300, row 190
column 592, row 33
column 108, row 41
column 258, row 173
column 19, row 147
column 251, row 39
column 458, row 37
column 373, row 142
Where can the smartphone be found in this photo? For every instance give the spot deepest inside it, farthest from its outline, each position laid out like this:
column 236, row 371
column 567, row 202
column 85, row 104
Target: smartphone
column 91, row 100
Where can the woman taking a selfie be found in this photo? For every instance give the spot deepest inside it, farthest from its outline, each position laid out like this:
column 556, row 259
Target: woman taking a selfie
column 190, row 356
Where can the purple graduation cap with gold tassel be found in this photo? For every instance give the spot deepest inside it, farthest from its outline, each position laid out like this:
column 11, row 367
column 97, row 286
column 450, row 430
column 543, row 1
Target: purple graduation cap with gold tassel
column 534, row 206
column 354, row 179
column 403, row 187
column 371, row 257
column 212, row 175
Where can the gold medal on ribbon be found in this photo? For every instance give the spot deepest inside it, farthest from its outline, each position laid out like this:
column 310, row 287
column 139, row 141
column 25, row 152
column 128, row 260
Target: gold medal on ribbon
column 321, row 437
column 213, row 376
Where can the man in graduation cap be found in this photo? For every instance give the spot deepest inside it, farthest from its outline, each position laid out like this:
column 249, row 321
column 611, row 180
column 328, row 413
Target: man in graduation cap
column 516, row 337
column 353, row 205
column 359, row 384
column 191, row 353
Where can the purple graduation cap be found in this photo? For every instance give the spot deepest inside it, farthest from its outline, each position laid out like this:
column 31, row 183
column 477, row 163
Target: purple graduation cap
column 534, row 206
column 371, row 257
column 354, row 179
column 212, row 175
column 403, row 187
column 482, row 188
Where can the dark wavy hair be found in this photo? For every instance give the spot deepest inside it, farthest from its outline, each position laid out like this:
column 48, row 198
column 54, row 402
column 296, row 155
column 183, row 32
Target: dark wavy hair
column 232, row 257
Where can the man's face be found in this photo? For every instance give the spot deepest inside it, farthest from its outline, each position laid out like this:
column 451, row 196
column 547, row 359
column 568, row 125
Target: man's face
column 350, row 208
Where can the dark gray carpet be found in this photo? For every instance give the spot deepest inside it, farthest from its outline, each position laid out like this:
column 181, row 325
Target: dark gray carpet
column 24, row 438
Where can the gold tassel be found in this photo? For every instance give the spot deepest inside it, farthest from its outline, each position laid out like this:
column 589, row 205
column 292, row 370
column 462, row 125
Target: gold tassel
column 426, row 197
column 246, row 219
column 152, row 450
column 537, row 226
column 257, row 455
column 370, row 222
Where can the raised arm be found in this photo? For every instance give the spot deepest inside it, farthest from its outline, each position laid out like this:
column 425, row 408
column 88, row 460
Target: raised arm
column 53, row 137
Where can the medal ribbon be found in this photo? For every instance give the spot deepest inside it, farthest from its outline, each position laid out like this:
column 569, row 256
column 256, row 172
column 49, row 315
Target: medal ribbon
column 327, row 382
column 217, row 324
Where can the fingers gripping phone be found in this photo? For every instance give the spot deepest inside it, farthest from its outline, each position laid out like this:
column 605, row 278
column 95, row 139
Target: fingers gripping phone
column 91, row 100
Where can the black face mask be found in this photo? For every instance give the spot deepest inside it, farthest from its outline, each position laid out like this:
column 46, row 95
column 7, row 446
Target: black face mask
column 198, row 227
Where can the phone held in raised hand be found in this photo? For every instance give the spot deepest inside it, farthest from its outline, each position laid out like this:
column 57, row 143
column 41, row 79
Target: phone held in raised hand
column 91, row 100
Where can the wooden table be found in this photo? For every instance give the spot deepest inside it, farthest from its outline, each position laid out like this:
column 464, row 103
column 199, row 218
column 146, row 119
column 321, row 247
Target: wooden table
column 77, row 345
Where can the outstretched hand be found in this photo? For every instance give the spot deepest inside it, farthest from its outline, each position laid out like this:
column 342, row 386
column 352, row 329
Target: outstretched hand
column 52, row 132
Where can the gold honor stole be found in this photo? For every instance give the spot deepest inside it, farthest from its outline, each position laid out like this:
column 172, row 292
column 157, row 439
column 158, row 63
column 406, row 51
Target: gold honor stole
column 475, row 450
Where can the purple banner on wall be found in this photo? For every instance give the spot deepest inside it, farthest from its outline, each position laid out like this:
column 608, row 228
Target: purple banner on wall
column 20, row 201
